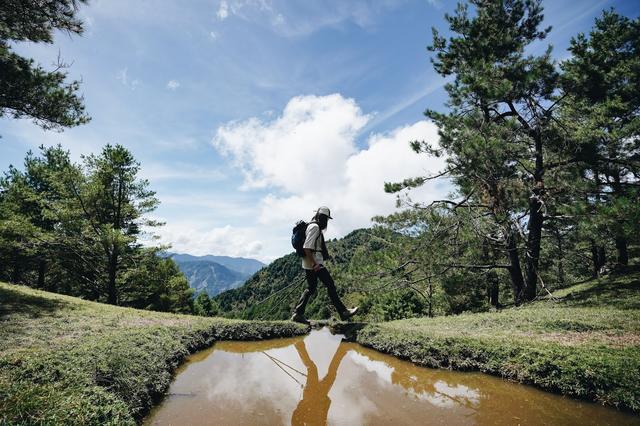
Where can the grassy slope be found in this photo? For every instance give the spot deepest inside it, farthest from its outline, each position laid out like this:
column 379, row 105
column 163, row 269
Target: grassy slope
column 68, row 361
column 586, row 344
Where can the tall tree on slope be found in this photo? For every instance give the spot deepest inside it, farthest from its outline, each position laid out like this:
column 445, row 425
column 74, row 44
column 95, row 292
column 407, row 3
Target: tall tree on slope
column 602, row 80
column 499, row 134
column 112, row 202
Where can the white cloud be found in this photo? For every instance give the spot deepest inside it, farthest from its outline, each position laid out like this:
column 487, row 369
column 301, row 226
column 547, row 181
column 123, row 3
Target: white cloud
column 223, row 11
column 312, row 136
column 293, row 19
column 200, row 240
column 173, row 84
column 308, row 157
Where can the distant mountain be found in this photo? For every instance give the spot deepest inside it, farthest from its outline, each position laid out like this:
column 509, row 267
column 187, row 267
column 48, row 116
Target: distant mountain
column 215, row 274
column 239, row 264
column 210, row 276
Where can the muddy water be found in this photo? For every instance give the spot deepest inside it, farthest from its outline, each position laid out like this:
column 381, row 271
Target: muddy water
column 320, row 380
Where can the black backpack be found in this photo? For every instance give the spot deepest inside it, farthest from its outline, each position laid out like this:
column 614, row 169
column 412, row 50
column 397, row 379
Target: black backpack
column 298, row 236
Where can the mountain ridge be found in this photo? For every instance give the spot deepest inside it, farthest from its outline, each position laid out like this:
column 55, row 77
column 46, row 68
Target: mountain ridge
column 215, row 274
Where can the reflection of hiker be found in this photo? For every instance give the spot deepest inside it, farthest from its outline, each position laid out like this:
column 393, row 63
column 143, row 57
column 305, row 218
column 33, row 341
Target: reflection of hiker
column 313, row 408
column 315, row 253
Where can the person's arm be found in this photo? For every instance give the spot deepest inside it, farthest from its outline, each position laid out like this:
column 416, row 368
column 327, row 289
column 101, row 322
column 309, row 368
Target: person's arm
column 309, row 255
column 310, row 243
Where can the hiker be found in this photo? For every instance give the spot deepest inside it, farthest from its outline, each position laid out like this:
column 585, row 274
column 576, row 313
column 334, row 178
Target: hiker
column 315, row 253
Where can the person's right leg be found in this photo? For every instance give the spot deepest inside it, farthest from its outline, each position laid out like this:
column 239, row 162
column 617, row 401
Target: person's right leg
column 312, row 284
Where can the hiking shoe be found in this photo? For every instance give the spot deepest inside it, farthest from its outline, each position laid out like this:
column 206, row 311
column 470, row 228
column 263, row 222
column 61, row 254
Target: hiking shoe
column 299, row 318
column 345, row 315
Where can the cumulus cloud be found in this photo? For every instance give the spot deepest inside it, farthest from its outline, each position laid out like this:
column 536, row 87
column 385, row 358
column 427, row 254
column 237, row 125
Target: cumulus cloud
column 308, row 156
column 201, row 240
column 313, row 135
column 173, row 84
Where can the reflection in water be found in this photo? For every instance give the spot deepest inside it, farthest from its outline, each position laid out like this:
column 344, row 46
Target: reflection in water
column 321, row 380
column 313, row 408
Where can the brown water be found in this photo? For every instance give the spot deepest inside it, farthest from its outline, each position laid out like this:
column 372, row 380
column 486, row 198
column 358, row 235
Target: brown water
column 321, row 380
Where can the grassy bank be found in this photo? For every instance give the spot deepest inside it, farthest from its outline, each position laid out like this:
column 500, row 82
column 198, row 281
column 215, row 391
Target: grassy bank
column 68, row 361
column 585, row 344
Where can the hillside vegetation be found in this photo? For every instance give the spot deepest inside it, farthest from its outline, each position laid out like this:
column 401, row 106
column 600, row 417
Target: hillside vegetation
column 365, row 266
column 585, row 343
column 64, row 360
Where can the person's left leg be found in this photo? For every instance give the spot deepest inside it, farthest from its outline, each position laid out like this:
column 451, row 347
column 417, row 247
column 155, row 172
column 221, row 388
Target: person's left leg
column 312, row 282
column 325, row 277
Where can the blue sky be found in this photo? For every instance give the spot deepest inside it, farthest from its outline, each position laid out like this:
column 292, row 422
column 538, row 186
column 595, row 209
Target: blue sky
column 247, row 115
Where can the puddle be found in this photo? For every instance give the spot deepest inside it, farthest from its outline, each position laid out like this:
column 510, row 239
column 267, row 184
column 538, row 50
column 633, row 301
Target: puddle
column 318, row 379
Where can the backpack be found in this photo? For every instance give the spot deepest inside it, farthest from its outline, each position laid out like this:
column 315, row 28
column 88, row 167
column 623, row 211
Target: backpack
column 298, row 236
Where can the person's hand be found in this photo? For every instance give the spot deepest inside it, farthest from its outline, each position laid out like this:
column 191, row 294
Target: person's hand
column 317, row 267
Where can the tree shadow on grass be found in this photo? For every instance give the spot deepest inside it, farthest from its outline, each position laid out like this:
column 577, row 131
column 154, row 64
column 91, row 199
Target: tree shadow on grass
column 622, row 292
column 14, row 301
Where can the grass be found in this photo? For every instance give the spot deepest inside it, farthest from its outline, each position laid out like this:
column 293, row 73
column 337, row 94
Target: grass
column 584, row 344
column 68, row 361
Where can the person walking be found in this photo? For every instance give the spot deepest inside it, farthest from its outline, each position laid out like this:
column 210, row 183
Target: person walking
column 315, row 254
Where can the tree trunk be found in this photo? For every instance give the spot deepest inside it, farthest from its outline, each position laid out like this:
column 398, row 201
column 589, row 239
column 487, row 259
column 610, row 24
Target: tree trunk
column 112, row 294
column 42, row 270
column 623, row 252
column 598, row 258
column 515, row 271
column 493, row 290
column 534, row 226
column 492, row 277
column 16, row 277
column 430, row 299
column 620, row 238
column 561, row 277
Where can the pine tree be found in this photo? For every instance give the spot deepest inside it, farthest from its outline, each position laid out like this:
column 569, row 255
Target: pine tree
column 27, row 89
column 602, row 83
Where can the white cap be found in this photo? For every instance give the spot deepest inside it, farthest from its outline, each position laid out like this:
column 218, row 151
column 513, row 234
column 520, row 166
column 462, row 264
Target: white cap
column 325, row 211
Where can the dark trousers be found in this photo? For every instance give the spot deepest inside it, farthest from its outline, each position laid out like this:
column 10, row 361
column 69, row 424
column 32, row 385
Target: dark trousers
column 312, row 285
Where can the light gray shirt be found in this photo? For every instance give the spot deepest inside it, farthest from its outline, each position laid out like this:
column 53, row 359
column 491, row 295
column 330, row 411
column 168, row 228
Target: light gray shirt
column 313, row 241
